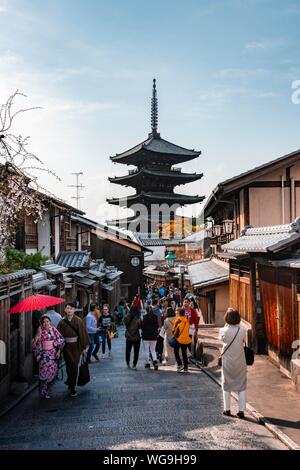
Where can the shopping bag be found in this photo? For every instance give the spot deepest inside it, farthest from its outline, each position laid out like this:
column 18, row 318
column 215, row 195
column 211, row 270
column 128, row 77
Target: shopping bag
column 84, row 373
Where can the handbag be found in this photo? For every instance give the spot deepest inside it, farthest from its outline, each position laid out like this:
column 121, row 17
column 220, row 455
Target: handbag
column 249, row 356
column 172, row 342
column 84, row 373
column 220, row 357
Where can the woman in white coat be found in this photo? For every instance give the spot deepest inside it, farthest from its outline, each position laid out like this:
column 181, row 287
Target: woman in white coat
column 169, row 357
column 234, row 367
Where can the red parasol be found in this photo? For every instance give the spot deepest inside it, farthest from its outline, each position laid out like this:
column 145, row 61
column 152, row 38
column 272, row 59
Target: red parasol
column 35, row 302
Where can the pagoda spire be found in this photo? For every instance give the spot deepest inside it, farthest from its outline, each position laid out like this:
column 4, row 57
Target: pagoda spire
column 154, row 110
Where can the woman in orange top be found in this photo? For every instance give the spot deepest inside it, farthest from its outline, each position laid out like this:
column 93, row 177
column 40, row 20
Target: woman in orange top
column 181, row 333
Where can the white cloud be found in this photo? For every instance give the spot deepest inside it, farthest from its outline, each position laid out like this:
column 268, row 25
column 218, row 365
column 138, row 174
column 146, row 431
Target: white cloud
column 258, row 45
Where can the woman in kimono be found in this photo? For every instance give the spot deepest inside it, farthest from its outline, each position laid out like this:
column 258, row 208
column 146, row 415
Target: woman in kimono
column 46, row 347
column 234, row 367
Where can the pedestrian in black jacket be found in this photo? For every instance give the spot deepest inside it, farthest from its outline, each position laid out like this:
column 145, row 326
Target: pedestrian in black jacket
column 149, row 336
column 133, row 339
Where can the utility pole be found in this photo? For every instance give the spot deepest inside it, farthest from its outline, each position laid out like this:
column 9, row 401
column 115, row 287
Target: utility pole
column 78, row 188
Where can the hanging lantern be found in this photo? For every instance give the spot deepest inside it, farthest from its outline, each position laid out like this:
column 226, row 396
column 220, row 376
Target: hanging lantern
column 170, row 258
column 218, row 230
column 210, row 232
column 228, row 226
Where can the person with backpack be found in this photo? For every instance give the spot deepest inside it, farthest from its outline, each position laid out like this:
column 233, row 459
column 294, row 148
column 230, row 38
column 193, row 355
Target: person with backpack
column 132, row 334
column 183, row 339
column 150, row 326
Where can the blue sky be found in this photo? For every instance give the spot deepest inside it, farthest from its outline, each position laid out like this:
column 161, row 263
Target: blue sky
column 224, row 71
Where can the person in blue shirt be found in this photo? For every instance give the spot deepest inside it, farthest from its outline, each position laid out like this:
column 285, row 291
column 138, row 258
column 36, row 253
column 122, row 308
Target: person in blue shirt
column 162, row 291
column 93, row 332
column 157, row 310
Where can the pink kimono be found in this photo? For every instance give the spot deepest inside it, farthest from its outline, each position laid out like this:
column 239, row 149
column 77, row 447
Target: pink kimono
column 46, row 346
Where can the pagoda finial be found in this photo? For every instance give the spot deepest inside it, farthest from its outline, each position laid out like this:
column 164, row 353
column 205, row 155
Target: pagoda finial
column 154, row 110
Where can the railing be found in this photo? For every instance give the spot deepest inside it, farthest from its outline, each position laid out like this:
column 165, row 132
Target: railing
column 71, row 244
column 31, row 241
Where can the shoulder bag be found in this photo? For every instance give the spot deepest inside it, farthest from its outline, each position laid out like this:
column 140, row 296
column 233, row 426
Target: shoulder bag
column 173, row 341
column 249, row 356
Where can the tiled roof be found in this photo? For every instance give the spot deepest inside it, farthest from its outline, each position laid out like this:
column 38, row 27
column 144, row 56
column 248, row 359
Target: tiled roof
column 156, row 241
column 158, row 145
column 287, row 263
column 107, row 287
column 208, row 272
column 196, row 237
column 85, row 281
column 40, row 280
column 176, row 177
column 117, row 232
column 74, row 259
column 16, row 275
column 159, row 196
column 263, row 239
column 158, row 254
column 112, row 275
column 53, row 268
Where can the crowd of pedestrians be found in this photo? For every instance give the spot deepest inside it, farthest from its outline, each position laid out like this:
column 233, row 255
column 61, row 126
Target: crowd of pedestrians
column 165, row 323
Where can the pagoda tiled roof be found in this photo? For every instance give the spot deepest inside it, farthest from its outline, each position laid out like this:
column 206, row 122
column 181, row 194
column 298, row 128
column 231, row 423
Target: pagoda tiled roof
column 172, row 175
column 156, row 145
column 163, row 197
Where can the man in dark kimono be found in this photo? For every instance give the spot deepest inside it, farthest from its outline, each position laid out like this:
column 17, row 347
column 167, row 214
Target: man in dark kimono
column 77, row 339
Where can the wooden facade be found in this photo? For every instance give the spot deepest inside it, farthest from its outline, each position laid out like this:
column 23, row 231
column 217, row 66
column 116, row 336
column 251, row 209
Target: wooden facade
column 265, row 195
column 118, row 252
column 15, row 331
column 280, row 292
column 268, row 299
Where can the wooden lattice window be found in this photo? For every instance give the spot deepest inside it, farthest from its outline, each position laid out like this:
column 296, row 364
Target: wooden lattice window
column 31, row 233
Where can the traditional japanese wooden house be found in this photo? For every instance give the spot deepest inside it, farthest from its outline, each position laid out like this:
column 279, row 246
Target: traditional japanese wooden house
column 120, row 249
column 209, row 280
column 264, row 286
column 53, row 233
column 15, row 330
column 265, row 195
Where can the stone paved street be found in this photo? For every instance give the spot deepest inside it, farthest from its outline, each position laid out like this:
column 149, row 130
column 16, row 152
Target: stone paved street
column 126, row 409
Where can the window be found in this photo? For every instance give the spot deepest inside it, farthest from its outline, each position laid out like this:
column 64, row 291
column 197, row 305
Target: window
column 31, row 233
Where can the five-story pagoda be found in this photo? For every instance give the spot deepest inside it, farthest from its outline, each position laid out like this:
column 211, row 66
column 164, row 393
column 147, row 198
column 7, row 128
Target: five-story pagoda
column 154, row 179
